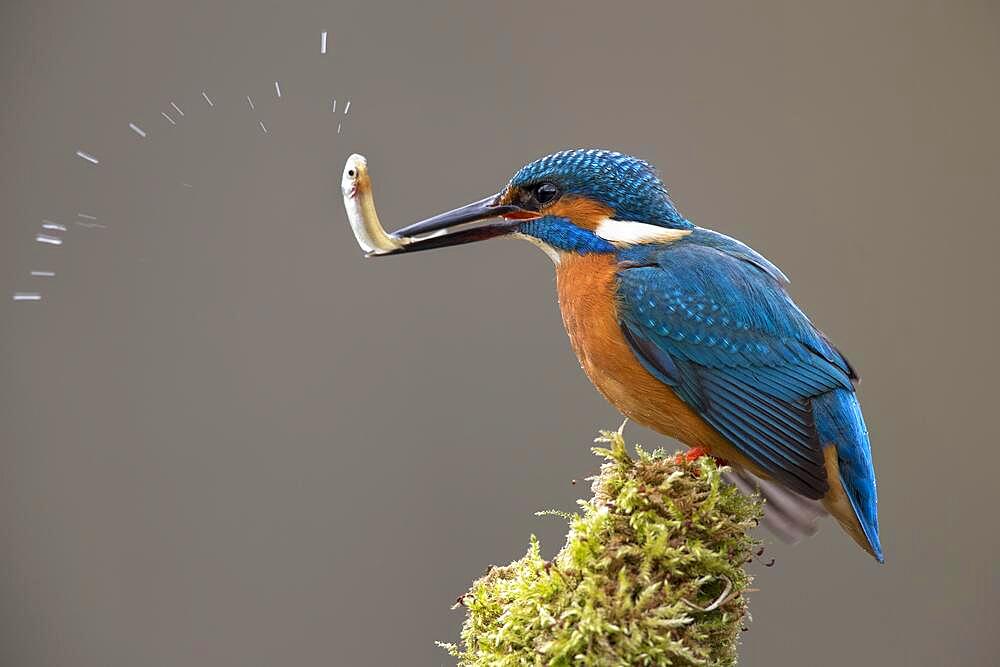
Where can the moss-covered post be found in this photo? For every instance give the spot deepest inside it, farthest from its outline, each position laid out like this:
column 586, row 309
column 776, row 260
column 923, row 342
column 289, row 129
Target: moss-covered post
column 652, row 573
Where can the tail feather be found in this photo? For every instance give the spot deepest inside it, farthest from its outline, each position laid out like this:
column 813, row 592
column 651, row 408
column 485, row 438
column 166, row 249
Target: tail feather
column 791, row 516
column 838, row 420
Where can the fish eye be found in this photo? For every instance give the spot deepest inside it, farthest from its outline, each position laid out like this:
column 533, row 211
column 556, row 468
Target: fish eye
column 546, row 192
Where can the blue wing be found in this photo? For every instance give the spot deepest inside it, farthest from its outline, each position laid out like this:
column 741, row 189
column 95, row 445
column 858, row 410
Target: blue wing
column 720, row 330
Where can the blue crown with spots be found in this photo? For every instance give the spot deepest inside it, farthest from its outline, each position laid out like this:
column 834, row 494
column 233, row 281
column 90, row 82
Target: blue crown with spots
column 627, row 184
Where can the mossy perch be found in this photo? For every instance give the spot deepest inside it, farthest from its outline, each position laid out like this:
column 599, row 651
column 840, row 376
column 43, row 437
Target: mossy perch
column 652, row 573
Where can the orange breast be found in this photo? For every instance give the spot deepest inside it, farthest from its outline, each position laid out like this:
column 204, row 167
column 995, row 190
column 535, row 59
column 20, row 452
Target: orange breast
column 586, row 286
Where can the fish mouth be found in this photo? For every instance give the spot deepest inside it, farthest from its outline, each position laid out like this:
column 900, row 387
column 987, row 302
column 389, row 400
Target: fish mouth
column 438, row 227
column 355, row 172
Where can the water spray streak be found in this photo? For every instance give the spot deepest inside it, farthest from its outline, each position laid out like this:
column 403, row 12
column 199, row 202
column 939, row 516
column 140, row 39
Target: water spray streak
column 50, row 229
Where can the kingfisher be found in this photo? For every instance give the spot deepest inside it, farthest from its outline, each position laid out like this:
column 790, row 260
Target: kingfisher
column 686, row 330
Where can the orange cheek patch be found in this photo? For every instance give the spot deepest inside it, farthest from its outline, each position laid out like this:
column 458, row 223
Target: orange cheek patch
column 583, row 212
column 506, row 197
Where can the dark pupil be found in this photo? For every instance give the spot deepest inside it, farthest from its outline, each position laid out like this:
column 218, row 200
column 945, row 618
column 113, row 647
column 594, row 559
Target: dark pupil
column 545, row 193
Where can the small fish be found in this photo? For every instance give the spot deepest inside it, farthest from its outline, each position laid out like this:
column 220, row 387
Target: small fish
column 88, row 157
column 322, row 45
column 356, row 187
column 51, row 240
column 27, row 296
column 207, row 98
column 138, row 130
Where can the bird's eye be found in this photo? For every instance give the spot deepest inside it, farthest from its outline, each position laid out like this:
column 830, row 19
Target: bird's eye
column 545, row 193
column 350, row 172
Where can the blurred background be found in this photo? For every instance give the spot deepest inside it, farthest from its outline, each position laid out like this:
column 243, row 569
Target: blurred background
column 228, row 439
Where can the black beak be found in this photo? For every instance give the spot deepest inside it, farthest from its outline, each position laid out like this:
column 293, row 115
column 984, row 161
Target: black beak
column 484, row 209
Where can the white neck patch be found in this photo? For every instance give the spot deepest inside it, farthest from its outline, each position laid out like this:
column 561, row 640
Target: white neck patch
column 627, row 232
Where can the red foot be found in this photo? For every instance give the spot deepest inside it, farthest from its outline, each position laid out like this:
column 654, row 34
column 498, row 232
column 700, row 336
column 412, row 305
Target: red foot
column 695, row 453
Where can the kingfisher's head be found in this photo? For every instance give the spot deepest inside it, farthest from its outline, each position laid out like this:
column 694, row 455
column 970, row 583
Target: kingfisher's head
column 578, row 201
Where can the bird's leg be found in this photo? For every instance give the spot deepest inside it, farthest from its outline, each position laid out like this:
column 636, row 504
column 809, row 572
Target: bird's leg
column 695, row 453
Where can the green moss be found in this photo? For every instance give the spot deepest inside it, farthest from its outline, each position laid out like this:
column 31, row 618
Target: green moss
column 652, row 573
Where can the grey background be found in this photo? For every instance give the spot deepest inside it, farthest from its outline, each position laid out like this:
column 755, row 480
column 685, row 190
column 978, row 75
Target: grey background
column 227, row 439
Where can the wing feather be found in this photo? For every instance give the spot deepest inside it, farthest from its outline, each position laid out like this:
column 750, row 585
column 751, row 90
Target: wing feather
column 726, row 336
